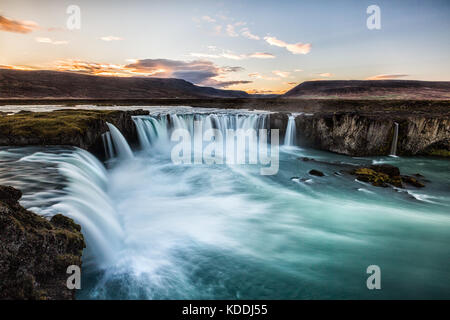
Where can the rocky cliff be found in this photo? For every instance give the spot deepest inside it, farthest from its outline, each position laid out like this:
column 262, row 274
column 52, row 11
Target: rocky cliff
column 369, row 135
column 81, row 128
column 35, row 252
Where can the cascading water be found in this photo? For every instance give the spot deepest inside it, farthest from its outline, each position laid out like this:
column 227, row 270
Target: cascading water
column 394, row 140
column 107, row 144
column 85, row 200
column 289, row 138
column 120, row 143
column 154, row 131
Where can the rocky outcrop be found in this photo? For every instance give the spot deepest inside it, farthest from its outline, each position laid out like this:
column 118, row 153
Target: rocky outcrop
column 370, row 135
column 384, row 175
column 35, row 252
column 81, row 128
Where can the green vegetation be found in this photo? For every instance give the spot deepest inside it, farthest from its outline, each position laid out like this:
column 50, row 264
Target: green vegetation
column 47, row 125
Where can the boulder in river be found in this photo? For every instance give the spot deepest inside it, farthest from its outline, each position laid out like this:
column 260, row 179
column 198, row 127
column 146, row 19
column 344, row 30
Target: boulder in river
column 317, row 173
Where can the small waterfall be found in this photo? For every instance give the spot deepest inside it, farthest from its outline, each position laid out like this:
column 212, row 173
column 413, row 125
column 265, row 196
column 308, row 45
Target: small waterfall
column 289, row 138
column 120, row 143
column 394, row 140
column 107, row 145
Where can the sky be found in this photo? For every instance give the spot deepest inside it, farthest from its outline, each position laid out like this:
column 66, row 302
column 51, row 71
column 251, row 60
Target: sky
column 257, row 46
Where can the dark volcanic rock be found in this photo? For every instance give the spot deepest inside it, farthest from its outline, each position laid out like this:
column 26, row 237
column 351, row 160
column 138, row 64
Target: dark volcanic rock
column 412, row 181
column 35, row 252
column 316, row 173
column 388, row 169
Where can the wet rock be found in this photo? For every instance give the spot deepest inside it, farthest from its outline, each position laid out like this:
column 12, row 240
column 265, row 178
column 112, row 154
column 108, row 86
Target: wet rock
column 9, row 195
column 412, row 181
column 388, row 169
column 378, row 178
column 317, row 173
column 35, row 252
column 384, row 175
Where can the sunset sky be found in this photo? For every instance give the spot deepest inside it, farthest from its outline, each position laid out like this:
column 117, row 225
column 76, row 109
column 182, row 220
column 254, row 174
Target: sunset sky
column 257, row 46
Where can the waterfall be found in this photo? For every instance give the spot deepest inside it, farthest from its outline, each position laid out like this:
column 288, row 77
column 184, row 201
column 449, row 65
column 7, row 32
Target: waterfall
column 289, row 138
column 120, row 143
column 107, row 145
column 155, row 131
column 85, row 200
column 394, row 140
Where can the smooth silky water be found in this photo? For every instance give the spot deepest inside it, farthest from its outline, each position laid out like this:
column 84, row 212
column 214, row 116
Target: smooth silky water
column 156, row 230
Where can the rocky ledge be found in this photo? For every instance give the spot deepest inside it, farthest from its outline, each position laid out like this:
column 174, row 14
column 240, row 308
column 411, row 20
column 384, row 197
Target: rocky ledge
column 371, row 134
column 80, row 128
column 35, row 252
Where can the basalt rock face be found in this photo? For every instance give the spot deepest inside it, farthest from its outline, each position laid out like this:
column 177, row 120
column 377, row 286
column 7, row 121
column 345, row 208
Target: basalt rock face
column 35, row 252
column 80, row 128
column 370, row 135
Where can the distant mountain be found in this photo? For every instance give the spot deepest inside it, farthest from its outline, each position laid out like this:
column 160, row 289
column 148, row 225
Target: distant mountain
column 371, row 89
column 55, row 84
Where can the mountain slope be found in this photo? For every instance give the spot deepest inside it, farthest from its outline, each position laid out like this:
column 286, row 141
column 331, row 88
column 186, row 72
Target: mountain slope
column 371, row 89
column 55, row 84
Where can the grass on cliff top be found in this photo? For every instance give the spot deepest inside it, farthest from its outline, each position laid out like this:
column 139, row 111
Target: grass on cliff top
column 47, row 124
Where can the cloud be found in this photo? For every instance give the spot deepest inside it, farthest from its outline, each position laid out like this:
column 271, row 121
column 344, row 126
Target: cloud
column 257, row 75
column 208, row 19
column 233, row 56
column 282, row 74
column 230, row 31
column 326, row 74
column 50, row 41
column 261, row 55
column 246, row 33
column 10, row 25
column 111, row 38
column 200, row 72
column 295, row 48
column 226, row 84
column 264, row 91
column 298, row 70
column 387, row 76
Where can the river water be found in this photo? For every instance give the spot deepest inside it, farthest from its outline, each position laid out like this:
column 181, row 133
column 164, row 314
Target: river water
column 159, row 230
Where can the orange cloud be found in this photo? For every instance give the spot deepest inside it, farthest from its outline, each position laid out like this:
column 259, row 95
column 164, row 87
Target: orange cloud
column 386, row 76
column 17, row 26
column 17, row 67
column 295, row 48
column 326, row 74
